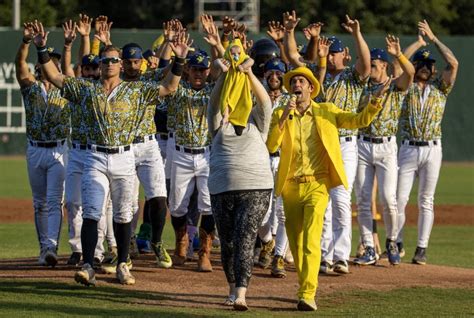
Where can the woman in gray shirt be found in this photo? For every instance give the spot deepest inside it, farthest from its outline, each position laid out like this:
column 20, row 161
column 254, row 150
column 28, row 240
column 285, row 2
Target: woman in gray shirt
column 240, row 184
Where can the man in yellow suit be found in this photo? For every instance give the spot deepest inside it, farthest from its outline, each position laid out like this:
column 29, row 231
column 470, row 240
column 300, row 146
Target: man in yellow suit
column 310, row 165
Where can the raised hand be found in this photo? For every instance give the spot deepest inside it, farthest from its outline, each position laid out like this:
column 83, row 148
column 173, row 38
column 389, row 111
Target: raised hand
column 41, row 36
column 181, row 44
column 351, row 26
column 69, row 29
column 222, row 64
column 393, row 45
column 28, row 32
column 290, row 21
column 212, row 36
column 425, row 30
column 314, row 29
column 84, row 25
column 421, row 39
column 207, row 21
column 99, row 21
column 171, row 29
column 382, row 89
column 276, row 31
column 323, row 47
column 228, row 25
column 248, row 45
column 103, row 35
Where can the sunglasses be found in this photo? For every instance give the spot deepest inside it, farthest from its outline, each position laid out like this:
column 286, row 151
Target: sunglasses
column 421, row 64
column 110, row 60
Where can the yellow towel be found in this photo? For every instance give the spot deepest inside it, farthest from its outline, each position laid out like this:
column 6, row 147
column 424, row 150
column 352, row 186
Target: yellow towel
column 236, row 89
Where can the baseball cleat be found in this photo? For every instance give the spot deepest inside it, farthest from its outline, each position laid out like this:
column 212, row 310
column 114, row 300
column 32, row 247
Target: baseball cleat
column 111, row 268
column 420, row 256
column 86, row 276
column 74, row 259
column 325, row 268
column 306, row 305
column 341, row 267
column 368, row 258
column 50, row 257
column 392, row 252
column 123, row 274
column 265, row 257
column 401, row 250
column 278, row 267
column 163, row 259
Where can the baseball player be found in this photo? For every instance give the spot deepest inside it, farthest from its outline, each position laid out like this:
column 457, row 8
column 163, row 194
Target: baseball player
column 420, row 124
column 378, row 151
column 148, row 160
column 113, row 110
column 190, row 159
column 47, row 127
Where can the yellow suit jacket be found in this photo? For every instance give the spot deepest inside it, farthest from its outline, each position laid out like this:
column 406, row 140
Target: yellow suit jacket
column 328, row 119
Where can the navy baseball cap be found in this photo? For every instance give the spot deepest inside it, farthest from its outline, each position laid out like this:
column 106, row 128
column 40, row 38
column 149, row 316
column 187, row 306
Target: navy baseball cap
column 379, row 54
column 423, row 56
column 336, row 45
column 53, row 52
column 91, row 60
column 199, row 59
column 275, row 65
column 148, row 53
column 132, row 51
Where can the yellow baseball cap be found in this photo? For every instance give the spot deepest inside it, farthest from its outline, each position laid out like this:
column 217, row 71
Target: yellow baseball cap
column 303, row 71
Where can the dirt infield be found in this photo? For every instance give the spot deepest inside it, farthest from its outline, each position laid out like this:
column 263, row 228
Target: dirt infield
column 184, row 287
column 21, row 210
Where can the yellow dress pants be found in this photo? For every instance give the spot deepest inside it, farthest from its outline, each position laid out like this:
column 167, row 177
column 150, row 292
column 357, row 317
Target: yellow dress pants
column 304, row 205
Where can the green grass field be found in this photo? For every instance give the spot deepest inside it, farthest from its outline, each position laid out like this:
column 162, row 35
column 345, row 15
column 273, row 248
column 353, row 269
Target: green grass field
column 449, row 245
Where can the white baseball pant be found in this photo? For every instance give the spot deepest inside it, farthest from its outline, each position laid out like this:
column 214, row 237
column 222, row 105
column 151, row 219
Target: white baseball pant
column 104, row 174
column 424, row 162
column 337, row 227
column 170, row 149
column 46, row 172
column 379, row 160
column 187, row 171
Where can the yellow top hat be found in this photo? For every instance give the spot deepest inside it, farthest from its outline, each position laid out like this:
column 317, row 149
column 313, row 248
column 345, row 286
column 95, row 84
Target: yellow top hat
column 303, row 71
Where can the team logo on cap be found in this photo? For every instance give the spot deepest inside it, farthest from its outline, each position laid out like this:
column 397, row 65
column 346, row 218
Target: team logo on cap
column 50, row 50
column 91, row 57
column 426, row 54
column 200, row 58
column 132, row 51
column 275, row 63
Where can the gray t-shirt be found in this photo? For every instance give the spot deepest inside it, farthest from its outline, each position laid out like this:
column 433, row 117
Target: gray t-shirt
column 241, row 162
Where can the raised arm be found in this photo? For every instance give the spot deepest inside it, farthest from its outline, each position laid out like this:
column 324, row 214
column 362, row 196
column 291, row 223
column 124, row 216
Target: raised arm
column 23, row 74
column 214, row 115
column 180, row 48
column 451, row 70
column 83, row 27
column 276, row 31
column 323, row 52
column 314, row 31
column 290, row 21
column 403, row 81
column 264, row 104
column 362, row 65
column 69, row 29
column 48, row 68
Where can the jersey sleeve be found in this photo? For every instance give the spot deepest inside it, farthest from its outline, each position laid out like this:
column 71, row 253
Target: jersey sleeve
column 72, row 89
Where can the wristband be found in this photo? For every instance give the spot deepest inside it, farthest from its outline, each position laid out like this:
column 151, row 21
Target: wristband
column 163, row 63
column 323, row 62
column 180, row 60
column 43, row 55
column 402, row 59
column 177, row 68
column 27, row 41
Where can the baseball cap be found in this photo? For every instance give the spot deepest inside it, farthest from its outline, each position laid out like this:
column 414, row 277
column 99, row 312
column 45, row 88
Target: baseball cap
column 275, row 65
column 379, row 54
column 90, row 59
column 148, row 53
column 132, row 51
column 424, row 56
column 199, row 59
column 336, row 45
column 53, row 52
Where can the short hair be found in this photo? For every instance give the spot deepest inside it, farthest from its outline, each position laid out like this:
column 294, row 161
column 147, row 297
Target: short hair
column 111, row 48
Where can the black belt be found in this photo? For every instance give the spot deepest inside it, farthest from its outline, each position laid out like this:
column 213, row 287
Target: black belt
column 140, row 139
column 108, row 150
column 375, row 140
column 162, row 136
column 193, row 151
column 171, row 134
column 275, row 154
column 420, row 143
column 348, row 138
column 47, row 144
column 79, row 146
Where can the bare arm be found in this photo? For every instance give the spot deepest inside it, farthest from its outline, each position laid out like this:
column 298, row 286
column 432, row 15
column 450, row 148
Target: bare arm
column 362, row 65
column 84, row 29
column 48, row 68
column 290, row 22
column 314, row 30
column 214, row 115
column 276, row 31
column 23, row 74
column 323, row 52
column 69, row 29
column 403, row 81
column 451, row 70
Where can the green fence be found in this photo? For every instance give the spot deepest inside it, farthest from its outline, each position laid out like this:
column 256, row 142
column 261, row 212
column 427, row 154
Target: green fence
column 458, row 132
